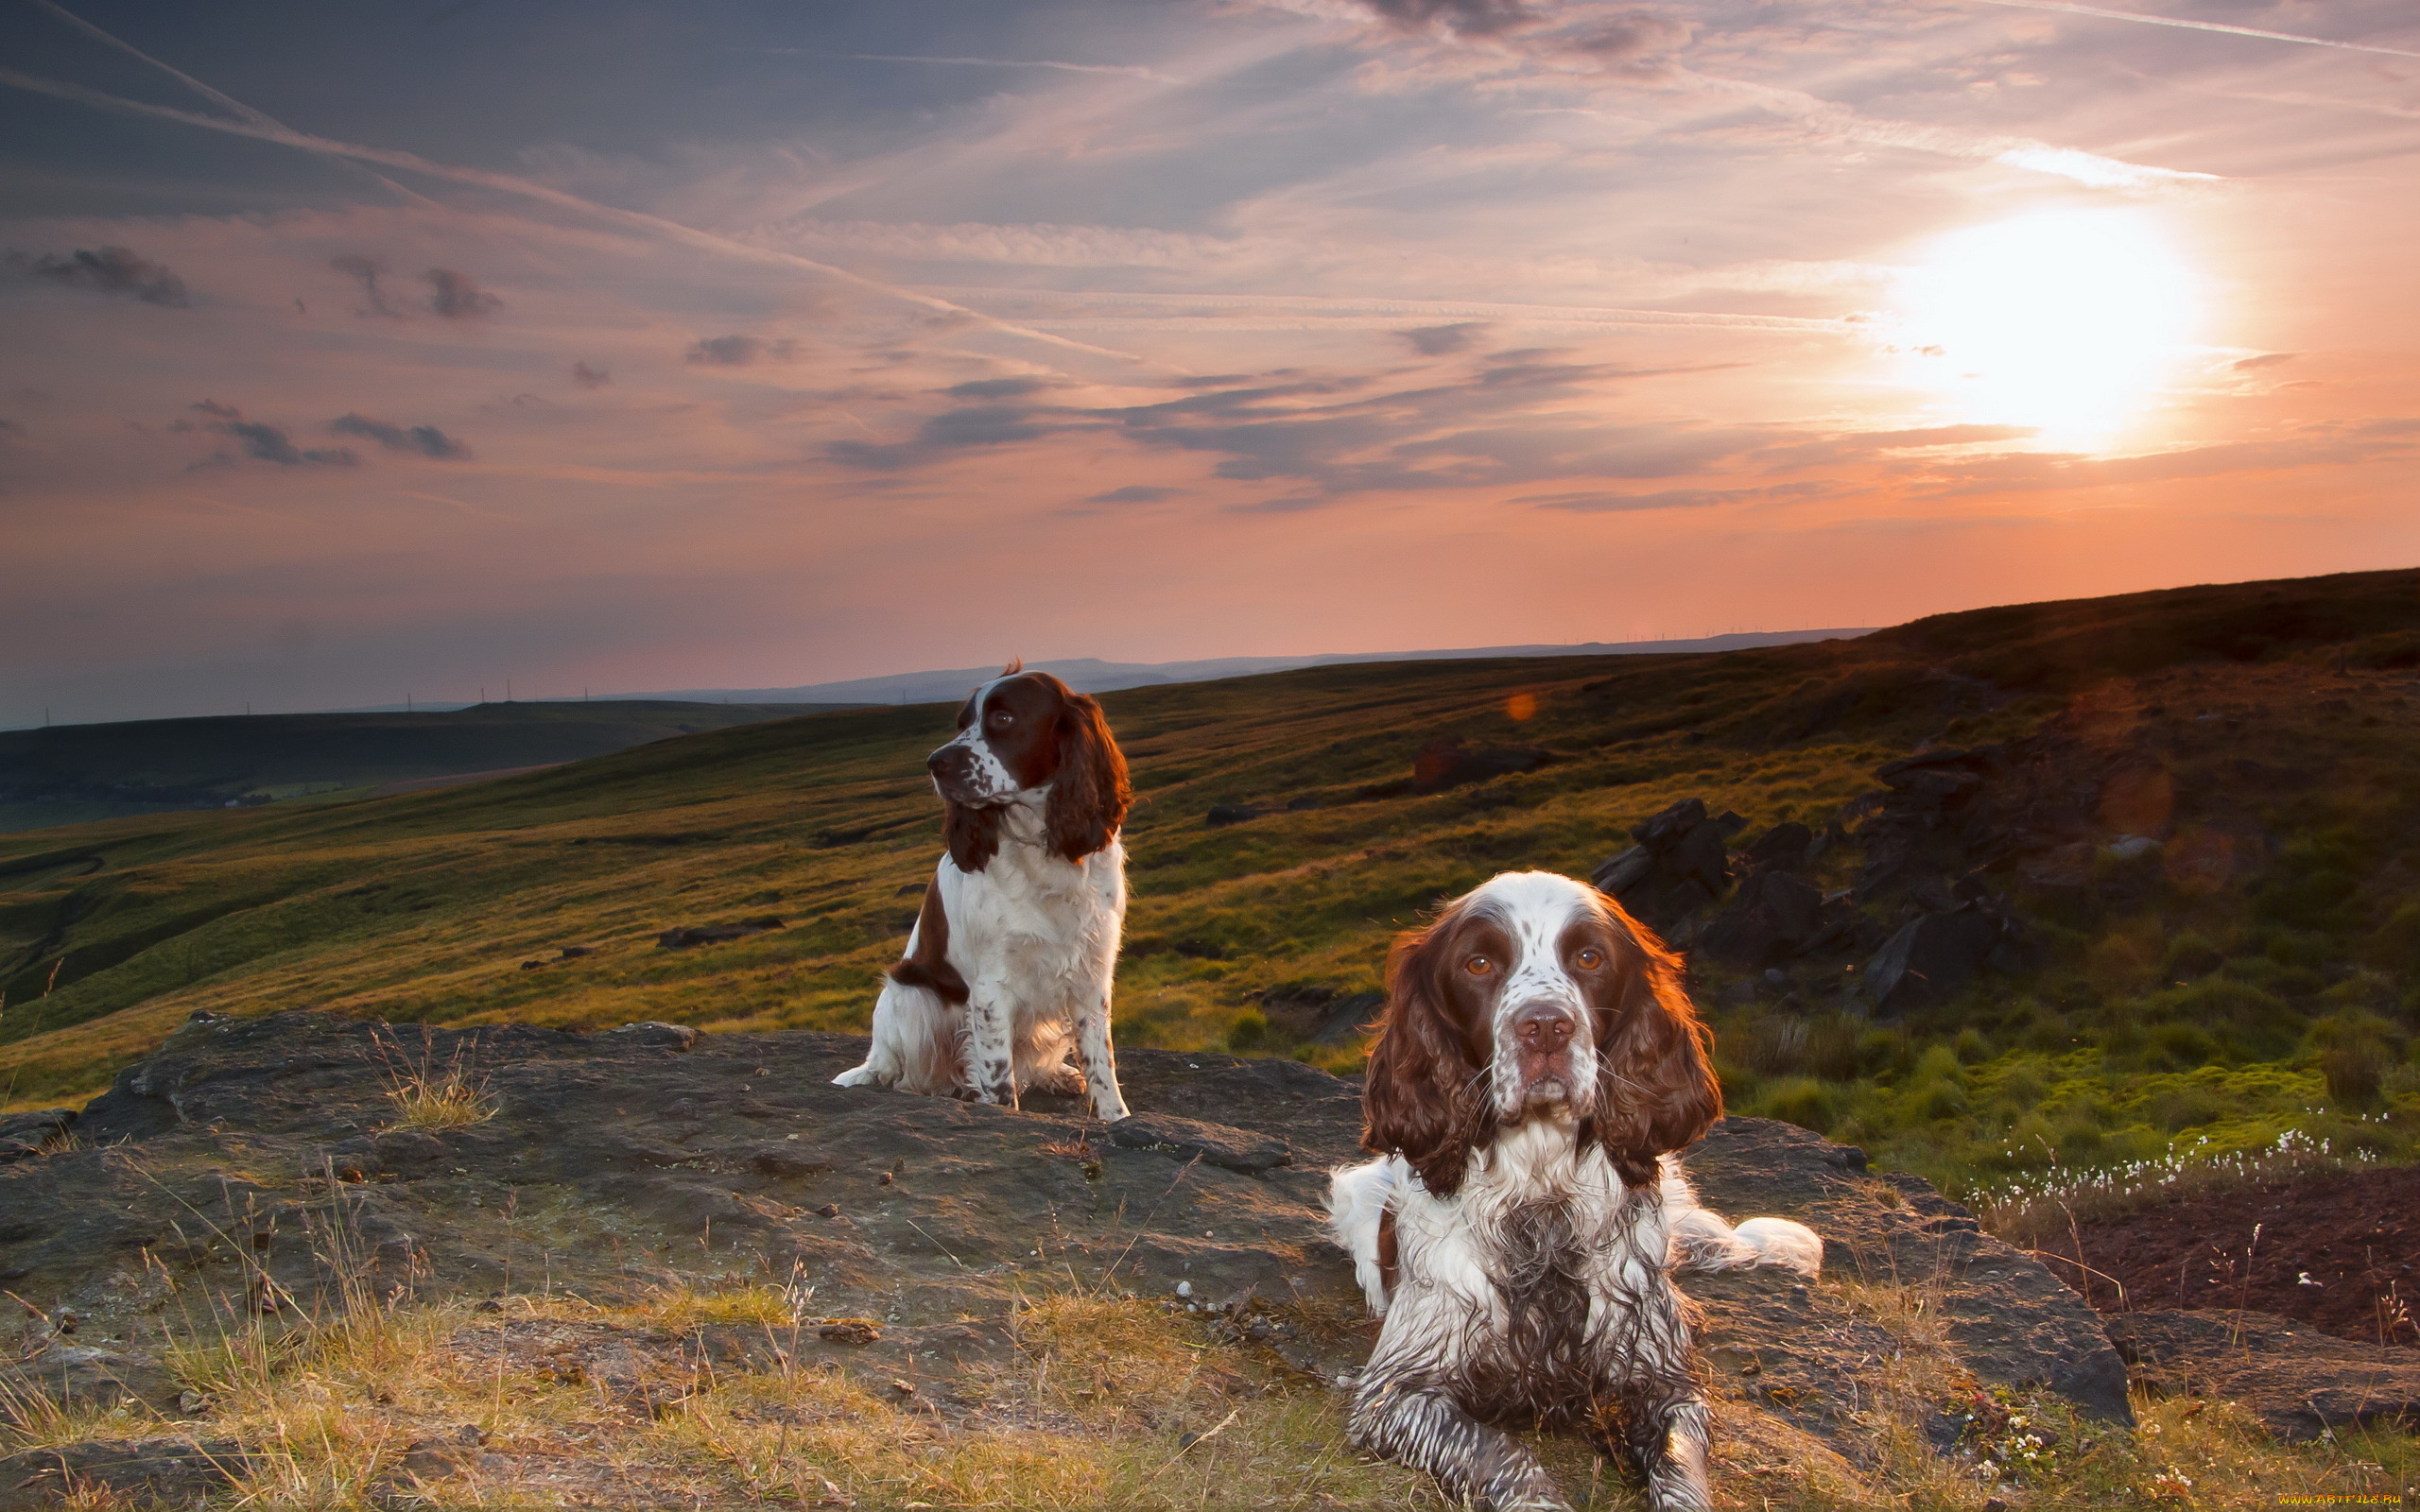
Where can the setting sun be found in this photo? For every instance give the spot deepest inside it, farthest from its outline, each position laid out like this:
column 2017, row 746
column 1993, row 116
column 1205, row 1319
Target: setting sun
column 2065, row 321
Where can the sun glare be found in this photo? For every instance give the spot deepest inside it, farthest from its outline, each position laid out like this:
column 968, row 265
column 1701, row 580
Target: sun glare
column 2067, row 321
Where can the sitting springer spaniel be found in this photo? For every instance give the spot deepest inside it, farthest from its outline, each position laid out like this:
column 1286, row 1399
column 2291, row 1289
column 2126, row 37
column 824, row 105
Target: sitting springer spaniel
column 1536, row 1067
column 1013, row 949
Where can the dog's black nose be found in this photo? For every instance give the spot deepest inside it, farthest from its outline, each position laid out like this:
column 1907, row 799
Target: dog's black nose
column 1544, row 1028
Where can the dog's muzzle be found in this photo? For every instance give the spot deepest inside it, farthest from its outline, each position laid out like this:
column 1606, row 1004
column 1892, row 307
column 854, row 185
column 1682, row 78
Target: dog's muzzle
column 1542, row 1038
column 960, row 772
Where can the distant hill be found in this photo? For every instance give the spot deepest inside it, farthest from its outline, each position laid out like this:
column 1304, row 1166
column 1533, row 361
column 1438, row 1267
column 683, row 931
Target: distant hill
column 1092, row 675
column 73, row 773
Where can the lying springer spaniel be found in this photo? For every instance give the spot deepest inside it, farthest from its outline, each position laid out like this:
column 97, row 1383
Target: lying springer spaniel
column 1014, row 947
column 1536, row 1067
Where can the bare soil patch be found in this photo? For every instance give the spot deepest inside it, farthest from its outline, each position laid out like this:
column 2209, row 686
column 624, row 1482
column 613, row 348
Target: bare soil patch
column 2338, row 1252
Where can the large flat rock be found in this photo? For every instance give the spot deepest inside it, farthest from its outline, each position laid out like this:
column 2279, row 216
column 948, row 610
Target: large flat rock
column 619, row 1161
column 2298, row 1382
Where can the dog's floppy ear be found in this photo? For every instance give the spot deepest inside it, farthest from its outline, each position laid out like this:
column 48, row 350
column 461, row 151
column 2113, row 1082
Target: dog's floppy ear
column 1425, row 1099
column 973, row 834
column 1656, row 1090
column 1090, row 795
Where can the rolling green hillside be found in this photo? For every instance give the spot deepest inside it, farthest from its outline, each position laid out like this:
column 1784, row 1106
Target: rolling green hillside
column 74, row 773
column 2153, row 1002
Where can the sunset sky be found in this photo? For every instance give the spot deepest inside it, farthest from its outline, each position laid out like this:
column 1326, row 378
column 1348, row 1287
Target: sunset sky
column 347, row 352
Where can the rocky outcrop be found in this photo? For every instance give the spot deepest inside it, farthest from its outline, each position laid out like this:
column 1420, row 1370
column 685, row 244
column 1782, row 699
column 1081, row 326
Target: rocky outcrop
column 1777, row 917
column 263, row 1157
column 1945, row 846
column 1932, row 956
column 2299, row 1383
column 2009, row 1321
column 30, row 1133
column 1680, row 867
column 142, row 1472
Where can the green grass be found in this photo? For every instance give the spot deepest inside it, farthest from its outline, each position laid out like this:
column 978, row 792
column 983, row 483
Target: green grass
column 2164, row 1008
column 73, row 774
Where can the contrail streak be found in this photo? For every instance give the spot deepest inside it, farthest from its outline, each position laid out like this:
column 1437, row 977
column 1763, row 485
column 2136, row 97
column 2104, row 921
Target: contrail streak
column 1312, row 312
column 224, row 101
column 507, row 184
column 2199, row 26
column 1129, row 70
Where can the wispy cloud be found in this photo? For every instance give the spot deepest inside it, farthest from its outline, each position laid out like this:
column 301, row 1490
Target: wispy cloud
column 263, row 442
column 106, row 269
column 1677, row 498
column 740, row 351
column 480, row 178
column 1444, row 340
column 1124, row 70
column 224, row 101
column 456, row 297
column 2221, row 27
column 426, row 440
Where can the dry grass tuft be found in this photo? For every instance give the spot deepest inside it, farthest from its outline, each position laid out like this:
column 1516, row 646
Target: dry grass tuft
column 430, row 1093
column 31, row 1418
column 693, row 1302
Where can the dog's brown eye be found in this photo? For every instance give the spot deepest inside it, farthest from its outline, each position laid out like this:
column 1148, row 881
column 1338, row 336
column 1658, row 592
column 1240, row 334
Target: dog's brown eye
column 1480, row 966
column 1589, row 958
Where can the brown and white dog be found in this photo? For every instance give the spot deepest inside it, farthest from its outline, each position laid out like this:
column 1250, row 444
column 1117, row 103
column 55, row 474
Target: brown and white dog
column 1536, row 1067
column 1012, row 954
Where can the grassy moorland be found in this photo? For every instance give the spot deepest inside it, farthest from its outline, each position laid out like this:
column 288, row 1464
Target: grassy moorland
column 77, row 773
column 2162, row 1005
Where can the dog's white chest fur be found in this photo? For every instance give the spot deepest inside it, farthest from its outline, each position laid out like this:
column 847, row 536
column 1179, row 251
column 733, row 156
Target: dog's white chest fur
column 1033, row 924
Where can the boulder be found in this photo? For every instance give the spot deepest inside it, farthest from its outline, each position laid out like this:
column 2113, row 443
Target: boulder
column 1617, row 873
column 680, row 939
column 1774, row 917
column 96, row 1376
column 1931, row 958
column 1784, row 846
column 1310, row 1013
column 2009, row 1321
column 30, row 1133
column 2297, row 1381
column 1681, row 865
column 147, row 1471
column 1445, row 761
column 649, row 1034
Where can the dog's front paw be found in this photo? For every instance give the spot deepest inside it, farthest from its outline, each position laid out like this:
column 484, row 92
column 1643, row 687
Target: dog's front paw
column 858, row 1076
column 1109, row 1110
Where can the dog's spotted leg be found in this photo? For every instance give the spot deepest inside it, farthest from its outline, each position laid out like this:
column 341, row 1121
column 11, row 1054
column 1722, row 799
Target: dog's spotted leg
column 1668, row 1438
column 991, row 1068
column 1093, row 1051
column 1427, row 1430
